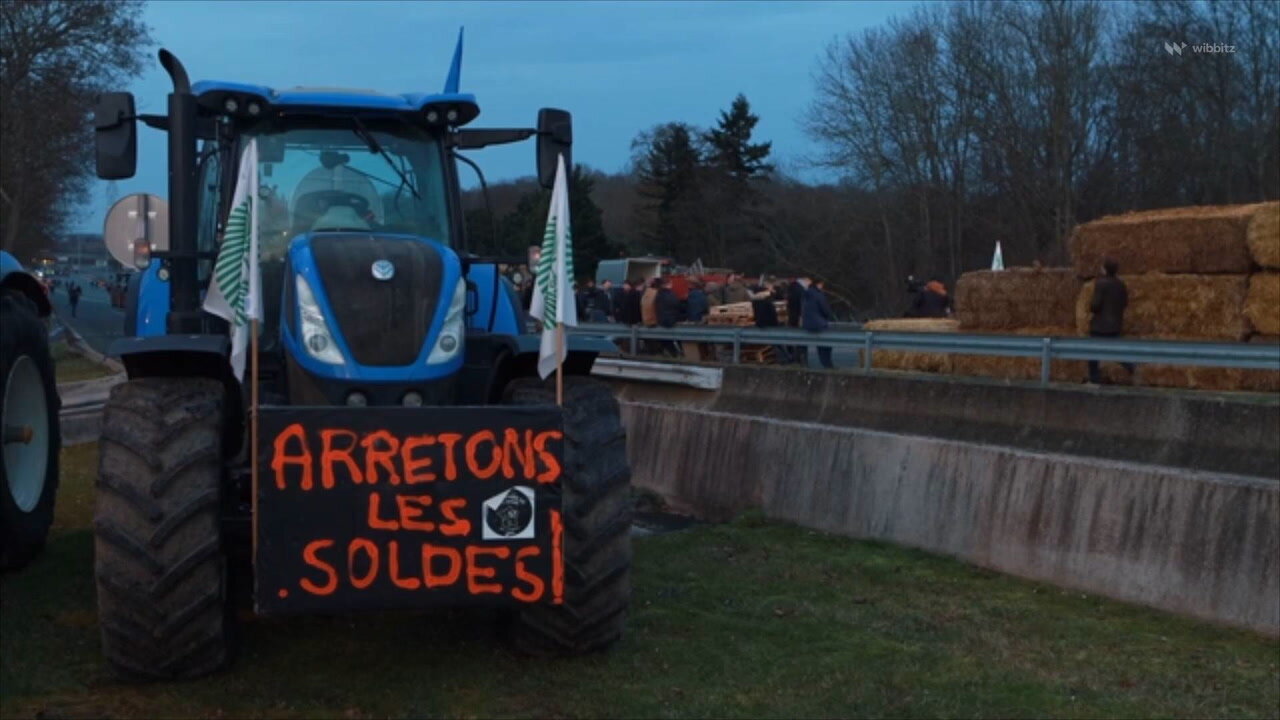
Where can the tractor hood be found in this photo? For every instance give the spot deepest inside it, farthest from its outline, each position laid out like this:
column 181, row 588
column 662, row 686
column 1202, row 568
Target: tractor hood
column 384, row 302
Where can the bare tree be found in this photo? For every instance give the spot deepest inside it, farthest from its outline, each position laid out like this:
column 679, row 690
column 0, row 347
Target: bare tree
column 55, row 56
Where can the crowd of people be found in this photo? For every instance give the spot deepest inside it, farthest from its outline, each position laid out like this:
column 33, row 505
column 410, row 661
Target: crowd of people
column 652, row 303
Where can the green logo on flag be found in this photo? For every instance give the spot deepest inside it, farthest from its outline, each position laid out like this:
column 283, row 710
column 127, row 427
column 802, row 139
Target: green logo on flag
column 231, row 271
column 548, row 284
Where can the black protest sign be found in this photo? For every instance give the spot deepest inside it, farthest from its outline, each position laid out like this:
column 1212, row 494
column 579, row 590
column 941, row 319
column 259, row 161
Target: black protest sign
column 380, row 508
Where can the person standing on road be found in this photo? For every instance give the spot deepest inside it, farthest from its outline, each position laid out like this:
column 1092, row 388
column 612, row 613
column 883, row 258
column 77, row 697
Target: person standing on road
column 73, row 296
column 1110, row 298
column 766, row 314
column 635, row 291
column 667, row 307
column 697, row 302
column 817, row 317
column 795, row 306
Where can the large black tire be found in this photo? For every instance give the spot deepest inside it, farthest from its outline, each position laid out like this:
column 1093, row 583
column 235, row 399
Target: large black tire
column 30, row 453
column 159, row 564
column 597, row 510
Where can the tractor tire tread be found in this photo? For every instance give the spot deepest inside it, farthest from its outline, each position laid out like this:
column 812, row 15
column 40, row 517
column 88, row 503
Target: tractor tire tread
column 596, row 511
column 159, row 564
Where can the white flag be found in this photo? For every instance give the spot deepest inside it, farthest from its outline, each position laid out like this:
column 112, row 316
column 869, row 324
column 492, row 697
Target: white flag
column 997, row 260
column 553, row 301
column 235, row 293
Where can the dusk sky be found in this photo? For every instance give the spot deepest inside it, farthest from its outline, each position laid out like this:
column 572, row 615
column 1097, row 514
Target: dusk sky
column 619, row 67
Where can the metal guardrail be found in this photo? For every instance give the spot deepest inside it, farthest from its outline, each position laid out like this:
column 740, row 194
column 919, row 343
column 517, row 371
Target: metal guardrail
column 1048, row 349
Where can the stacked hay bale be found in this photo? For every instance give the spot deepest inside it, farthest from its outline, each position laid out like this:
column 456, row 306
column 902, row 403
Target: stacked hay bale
column 1198, row 273
column 911, row 361
column 1017, row 301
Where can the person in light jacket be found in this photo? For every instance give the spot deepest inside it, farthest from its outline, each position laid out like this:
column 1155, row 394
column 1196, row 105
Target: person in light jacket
column 817, row 317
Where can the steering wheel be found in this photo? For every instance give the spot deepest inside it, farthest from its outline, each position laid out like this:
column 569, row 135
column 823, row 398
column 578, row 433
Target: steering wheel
column 316, row 204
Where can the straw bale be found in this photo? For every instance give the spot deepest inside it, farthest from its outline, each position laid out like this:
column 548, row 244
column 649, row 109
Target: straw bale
column 1183, row 307
column 1264, row 236
column 911, row 361
column 912, row 325
column 1262, row 305
column 1021, row 368
column 1016, row 298
column 1196, row 240
column 1208, row 378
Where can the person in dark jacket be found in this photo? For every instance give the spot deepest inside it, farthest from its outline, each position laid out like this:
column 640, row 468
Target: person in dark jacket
column 932, row 301
column 617, row 296
column 1110, row 298
column 816, row 317
column 697, row 302
column 668, row 310
column 600, row 303
column 632, row 301
column 766, row 314
column 795, row 305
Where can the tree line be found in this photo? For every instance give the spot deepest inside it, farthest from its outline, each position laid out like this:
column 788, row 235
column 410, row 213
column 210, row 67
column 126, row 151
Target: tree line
column 943, row 131
column 963, row 124
column 55, row 57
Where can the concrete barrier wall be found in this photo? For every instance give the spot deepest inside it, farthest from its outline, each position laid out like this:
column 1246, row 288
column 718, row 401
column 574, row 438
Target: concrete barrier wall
column 1201, row 544
column 1222, row 432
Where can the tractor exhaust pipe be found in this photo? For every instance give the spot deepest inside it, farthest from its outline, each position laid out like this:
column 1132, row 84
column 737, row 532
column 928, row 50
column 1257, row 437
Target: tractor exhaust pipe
column 184, row 304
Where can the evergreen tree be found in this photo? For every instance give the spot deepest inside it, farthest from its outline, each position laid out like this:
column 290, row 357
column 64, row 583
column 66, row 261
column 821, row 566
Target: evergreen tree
column 729, row 143
column 667, row 161
column 524, row 226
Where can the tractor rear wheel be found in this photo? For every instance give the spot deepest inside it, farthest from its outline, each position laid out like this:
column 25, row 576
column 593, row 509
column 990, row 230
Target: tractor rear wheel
column 596, row 507
column 159, row 564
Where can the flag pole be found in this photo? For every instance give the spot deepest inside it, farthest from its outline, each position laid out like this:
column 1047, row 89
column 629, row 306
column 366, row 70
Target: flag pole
column 253, row 427
column 560, row 364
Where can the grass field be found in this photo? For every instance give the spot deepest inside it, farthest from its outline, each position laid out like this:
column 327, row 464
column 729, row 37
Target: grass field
column 71, row 366
column 751, row 619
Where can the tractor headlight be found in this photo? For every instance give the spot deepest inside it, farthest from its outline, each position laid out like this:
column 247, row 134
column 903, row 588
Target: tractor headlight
column 316, row 337
column 450, row 340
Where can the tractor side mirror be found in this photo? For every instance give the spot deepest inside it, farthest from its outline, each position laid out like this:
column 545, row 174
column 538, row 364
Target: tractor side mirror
column 555, row 137
column 116, row 136
column 137, row 226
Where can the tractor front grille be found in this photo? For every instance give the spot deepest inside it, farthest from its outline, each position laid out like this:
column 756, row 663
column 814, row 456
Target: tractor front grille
column 385, row 322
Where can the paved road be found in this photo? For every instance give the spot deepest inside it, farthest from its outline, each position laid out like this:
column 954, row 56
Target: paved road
column 96, row 321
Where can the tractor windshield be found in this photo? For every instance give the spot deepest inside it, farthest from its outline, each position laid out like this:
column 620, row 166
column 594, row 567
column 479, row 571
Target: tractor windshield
column 345, row 174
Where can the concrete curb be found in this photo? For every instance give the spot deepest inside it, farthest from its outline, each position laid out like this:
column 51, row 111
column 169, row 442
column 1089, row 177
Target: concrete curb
column 82, row 401
column 78, row 344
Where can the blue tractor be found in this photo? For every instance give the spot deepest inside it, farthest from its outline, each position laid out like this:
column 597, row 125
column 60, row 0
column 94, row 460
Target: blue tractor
column 28, row 416
column 406, row 453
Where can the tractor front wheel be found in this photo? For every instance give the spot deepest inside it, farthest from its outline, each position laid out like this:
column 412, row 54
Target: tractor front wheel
column 159, row 563
column 596, row 507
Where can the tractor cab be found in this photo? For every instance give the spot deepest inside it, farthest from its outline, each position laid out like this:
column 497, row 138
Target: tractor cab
column 370, row 295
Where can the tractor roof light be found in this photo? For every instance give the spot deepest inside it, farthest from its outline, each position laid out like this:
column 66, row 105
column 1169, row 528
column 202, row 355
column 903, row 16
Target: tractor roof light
column 412, row 399
column 451, row 115
column 231, row 105
column 433, row 116
column 254, row 108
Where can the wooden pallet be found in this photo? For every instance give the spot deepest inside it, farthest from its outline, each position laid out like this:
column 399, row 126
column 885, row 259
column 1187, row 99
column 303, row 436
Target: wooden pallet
column 758, row 355
column 742, row 314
